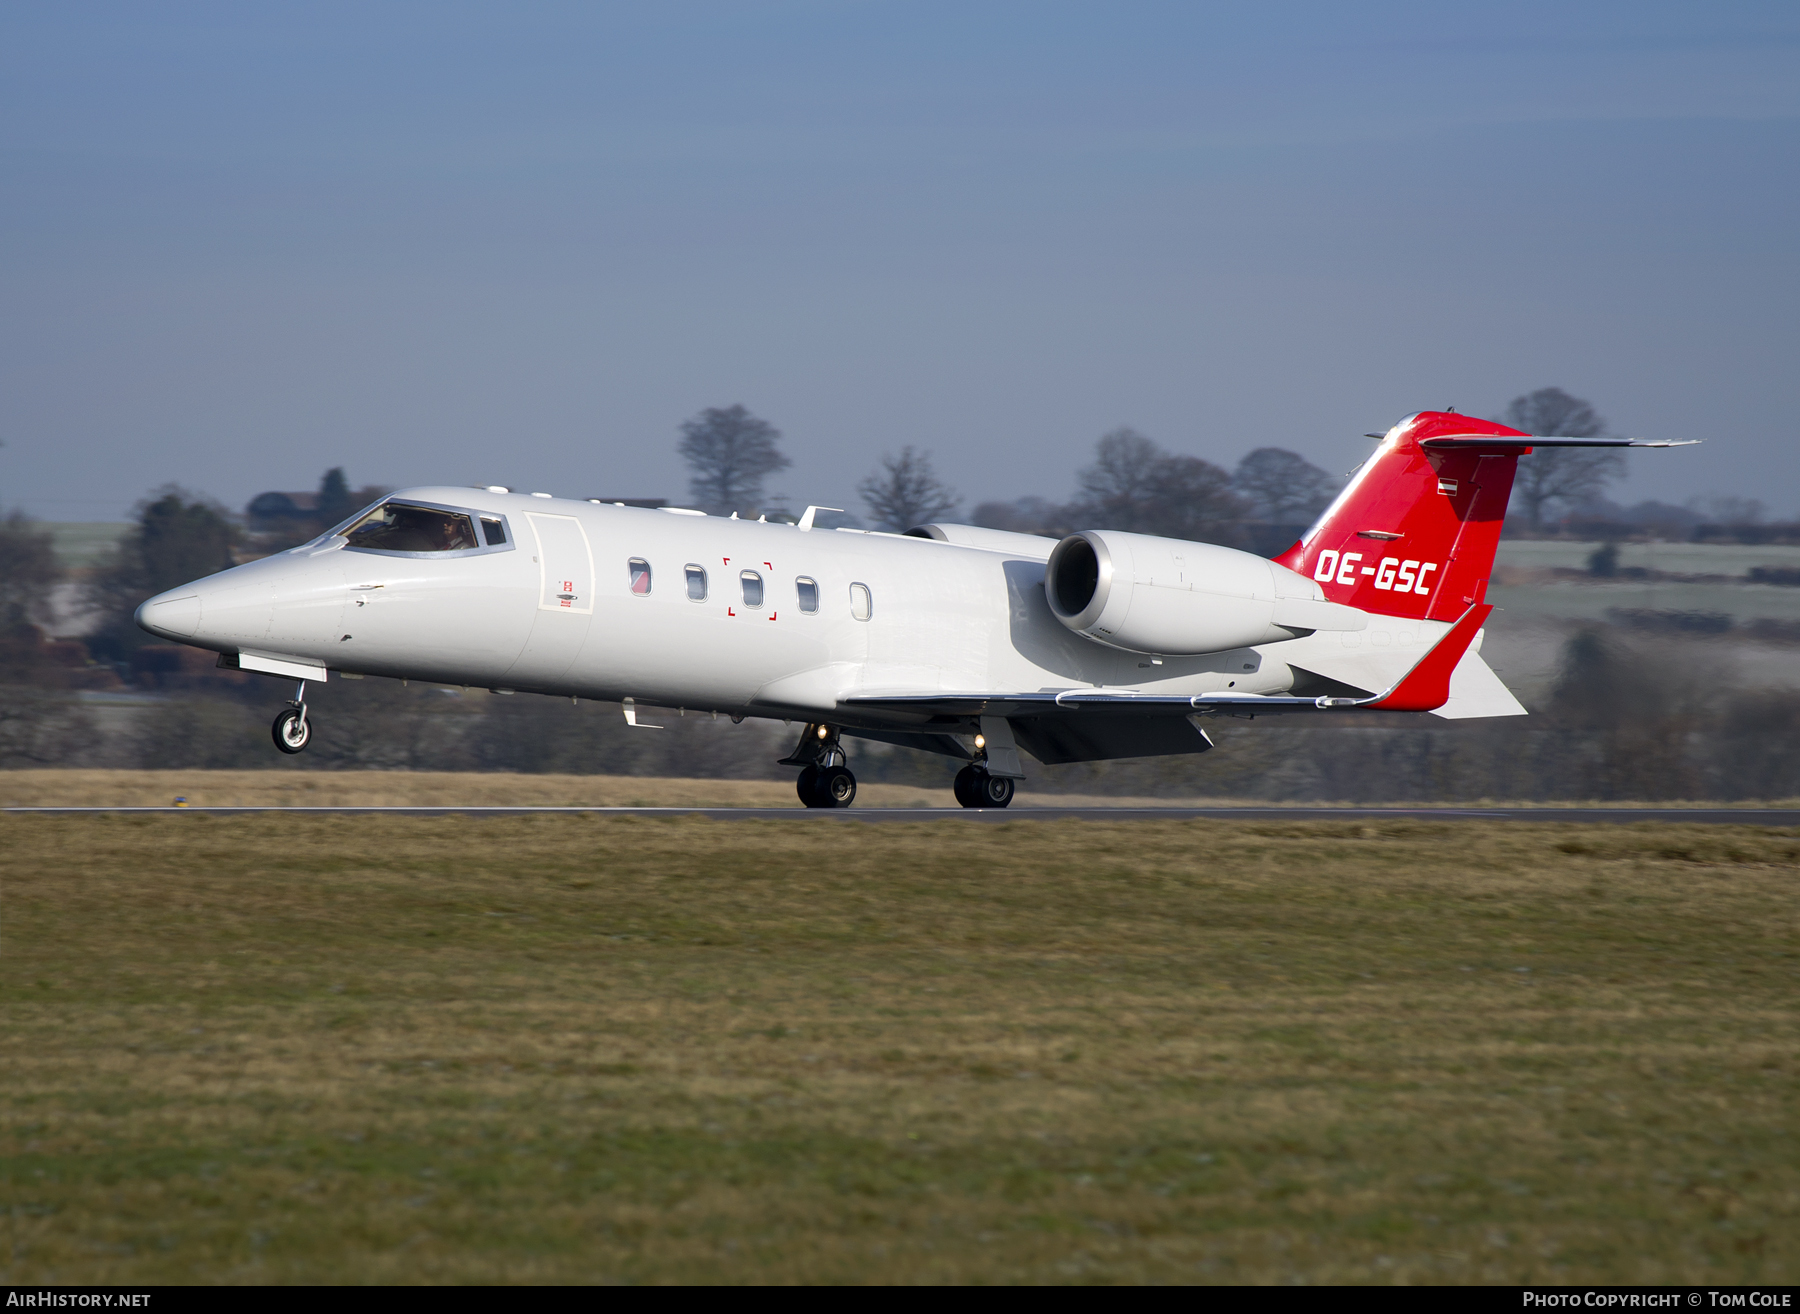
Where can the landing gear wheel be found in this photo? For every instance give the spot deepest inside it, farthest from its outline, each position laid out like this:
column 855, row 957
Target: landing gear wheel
column 292, row 732
column 836, row 788
column 975, row 788
column 808, row 785
column 996, row 791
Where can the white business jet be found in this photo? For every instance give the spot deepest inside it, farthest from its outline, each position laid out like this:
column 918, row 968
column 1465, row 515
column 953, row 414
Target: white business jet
column 968, row 642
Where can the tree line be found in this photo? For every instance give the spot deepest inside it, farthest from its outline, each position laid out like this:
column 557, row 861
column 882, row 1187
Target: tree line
column 1134, row 484
column 1622, row 724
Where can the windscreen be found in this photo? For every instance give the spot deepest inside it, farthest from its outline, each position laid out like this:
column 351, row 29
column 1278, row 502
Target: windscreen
column 399, row 527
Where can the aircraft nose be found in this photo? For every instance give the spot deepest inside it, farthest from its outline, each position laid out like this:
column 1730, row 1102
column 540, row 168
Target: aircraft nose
column 172, row 615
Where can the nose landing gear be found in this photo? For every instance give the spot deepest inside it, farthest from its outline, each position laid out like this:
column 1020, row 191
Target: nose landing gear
column 292, row 730
column 825, row 779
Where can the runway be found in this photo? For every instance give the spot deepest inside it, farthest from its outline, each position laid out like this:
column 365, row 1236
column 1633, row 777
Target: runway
column 1725, row 816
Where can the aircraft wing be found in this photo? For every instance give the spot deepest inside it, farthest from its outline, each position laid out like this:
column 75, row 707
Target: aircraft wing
column 1425, row 688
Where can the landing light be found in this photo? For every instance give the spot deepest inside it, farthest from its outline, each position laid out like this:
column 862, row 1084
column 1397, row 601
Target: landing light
column 981, row 741
column 824, row 732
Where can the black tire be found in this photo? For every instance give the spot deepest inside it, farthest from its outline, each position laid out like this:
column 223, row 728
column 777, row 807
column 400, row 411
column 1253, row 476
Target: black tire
column 808, row 787
column 291, row 732
column 996, row 791
column 967, row 791
column 836, row 788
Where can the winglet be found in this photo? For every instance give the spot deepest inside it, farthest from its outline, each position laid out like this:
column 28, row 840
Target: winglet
column 1426, row 687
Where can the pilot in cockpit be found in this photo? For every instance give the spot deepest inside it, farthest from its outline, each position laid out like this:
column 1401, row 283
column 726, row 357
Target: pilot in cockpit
column 456, row 533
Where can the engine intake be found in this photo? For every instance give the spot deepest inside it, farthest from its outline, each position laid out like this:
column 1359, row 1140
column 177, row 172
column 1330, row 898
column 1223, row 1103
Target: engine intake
column 1164, row 596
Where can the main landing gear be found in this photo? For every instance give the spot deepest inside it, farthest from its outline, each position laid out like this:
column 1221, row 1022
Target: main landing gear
column 975, row 788
column 825, row 779
column 292, row 730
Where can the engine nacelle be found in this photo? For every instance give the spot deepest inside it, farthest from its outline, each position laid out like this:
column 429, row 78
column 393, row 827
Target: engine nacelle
column 1170, row 598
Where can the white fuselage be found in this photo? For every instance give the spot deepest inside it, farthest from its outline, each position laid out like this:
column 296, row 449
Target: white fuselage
column 554, row 611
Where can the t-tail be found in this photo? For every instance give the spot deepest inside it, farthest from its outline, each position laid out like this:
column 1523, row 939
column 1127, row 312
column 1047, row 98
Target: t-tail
column 1415, row 530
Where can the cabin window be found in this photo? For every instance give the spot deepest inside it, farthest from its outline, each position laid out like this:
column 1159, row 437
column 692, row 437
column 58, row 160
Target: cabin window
column 494, row 531
column 696, row 583
column 640, row 576
column 752, row 583
column 808, row 589
column 398, row 527
column 862, row 606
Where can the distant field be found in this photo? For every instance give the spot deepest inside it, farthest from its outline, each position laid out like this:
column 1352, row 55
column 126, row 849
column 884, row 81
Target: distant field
column 80, row 544
column 265, row 1049
column 1523, row 601
column 1675, row 558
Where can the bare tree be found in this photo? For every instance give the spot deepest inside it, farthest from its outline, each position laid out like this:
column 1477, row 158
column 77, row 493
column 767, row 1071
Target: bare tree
column 40, row 728
column 1565, row 475
column 1026, row 515
column 1283, row 487
column 179, row 536
column 31, row 572
column 730, row 452
column 1724, row 509
column 906, row 492
column 1134, row 485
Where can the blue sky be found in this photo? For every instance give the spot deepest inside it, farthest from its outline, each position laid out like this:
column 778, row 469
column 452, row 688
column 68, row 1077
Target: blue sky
column 486, row 244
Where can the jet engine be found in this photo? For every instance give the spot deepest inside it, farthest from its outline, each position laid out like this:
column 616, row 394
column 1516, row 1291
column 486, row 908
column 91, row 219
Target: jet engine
column 1167, row 597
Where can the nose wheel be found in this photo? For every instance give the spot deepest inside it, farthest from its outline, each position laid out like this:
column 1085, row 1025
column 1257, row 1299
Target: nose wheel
column 975, row 788
column 292, row 730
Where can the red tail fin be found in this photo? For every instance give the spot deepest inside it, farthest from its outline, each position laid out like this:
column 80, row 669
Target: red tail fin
column 1414, row 532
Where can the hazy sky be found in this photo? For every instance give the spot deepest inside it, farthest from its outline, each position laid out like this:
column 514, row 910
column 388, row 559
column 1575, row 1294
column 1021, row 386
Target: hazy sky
column 520, row 244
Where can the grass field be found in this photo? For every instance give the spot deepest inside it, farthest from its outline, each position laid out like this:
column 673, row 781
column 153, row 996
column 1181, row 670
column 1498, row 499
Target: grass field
column 272, row 1048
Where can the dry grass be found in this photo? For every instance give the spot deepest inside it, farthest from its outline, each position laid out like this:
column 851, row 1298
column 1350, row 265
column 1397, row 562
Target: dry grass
column 84, row 788
column 571, row 1048
column 66, row 788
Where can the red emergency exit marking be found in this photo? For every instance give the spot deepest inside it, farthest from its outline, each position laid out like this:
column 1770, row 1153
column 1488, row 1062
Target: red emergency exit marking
column 773, row 615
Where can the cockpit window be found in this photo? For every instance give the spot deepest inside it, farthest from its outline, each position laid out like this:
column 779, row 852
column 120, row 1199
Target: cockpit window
column 399, row 527
column 494, row 531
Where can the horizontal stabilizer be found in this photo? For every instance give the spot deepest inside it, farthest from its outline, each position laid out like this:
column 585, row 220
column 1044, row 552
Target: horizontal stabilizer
column 1510, row 442
column 1476, row 691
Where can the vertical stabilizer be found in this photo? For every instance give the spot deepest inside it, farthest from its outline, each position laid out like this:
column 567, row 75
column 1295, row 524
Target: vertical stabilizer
column 1414, row 532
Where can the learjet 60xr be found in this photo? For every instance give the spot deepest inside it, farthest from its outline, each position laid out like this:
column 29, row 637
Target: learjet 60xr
column 967, row 642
